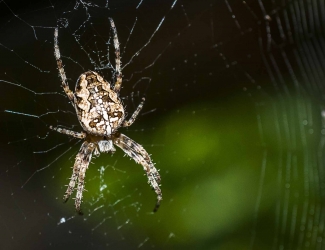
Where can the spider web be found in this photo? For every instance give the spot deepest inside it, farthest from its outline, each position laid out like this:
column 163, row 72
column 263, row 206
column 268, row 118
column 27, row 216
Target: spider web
column 234, row 119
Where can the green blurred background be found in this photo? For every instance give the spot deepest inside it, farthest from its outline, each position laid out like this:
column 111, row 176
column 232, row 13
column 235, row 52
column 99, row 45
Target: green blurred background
column 233, row 120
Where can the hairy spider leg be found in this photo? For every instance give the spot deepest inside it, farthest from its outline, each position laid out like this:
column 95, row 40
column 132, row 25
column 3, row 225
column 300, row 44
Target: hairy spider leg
column 57, row 55
column 79, row 135
column 134, row 115
column 83, row 159
column 76, row 169
column 140, row 156
column 118, row 72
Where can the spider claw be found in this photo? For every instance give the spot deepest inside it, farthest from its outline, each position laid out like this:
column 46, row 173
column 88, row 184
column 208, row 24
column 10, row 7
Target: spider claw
column 79, row 211
column 156, row 206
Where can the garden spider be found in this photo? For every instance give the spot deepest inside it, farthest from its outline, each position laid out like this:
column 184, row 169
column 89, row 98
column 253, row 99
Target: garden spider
column 100, row 113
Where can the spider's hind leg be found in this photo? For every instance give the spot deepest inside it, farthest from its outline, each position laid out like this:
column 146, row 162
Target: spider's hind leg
column 118, row 72
column 57, row 55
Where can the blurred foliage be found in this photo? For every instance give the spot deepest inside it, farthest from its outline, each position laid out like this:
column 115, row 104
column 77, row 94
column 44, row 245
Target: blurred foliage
column 218, row 178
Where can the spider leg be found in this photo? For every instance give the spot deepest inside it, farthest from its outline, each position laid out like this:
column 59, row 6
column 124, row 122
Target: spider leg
column 57, row 55
column 118, row 82
column 134, row 115
column 84, row 158
column 79, row 135
column 75, row 172
column 140, row 155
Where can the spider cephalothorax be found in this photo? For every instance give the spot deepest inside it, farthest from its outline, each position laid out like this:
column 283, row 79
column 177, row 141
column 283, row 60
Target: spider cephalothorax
column 100, row 113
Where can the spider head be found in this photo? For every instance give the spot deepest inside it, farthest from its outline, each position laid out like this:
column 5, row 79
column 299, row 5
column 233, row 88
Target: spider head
column 105, row 146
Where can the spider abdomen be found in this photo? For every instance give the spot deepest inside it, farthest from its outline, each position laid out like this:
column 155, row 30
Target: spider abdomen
column 100, row 111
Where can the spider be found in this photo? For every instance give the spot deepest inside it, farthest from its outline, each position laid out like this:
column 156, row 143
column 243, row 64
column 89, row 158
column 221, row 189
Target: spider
column 101, row 113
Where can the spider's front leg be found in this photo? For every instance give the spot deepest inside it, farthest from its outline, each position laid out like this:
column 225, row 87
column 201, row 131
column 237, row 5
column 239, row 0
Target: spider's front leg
column 79, row 170
column 86, row 157
column 140, row 155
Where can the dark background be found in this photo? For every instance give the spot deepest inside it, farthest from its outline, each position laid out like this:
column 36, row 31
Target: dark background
column 233, row 119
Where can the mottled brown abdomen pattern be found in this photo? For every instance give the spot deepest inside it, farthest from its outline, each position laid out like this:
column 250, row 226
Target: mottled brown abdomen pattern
column 99, row 110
